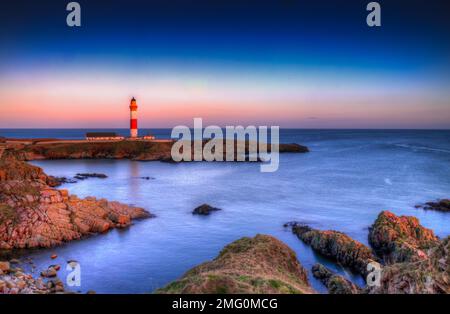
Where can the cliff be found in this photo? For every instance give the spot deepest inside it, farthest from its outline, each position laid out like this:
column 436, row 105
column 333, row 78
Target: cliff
column 261, row 264
column 33, row 214
column 430, row 275
column 415, row 260
column 135, row 150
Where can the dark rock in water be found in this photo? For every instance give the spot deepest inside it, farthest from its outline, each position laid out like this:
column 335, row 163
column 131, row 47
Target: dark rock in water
column 293, row 148
column 49, row 273
column 336, row 284
column 83, row 176
column 204, row 209
column 337, row 246
column 400, row 239
column 57, row 181
column 147, row 178
column 440, row 205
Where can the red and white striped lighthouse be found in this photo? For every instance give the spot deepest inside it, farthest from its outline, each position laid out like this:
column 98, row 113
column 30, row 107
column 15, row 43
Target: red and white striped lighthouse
column 133, row 119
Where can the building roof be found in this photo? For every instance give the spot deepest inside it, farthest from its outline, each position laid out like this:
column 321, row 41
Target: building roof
column 101, row 134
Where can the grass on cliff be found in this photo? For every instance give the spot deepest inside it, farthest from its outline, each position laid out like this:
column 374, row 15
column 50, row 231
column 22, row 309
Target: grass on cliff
column 261, row 264
column 126, row 148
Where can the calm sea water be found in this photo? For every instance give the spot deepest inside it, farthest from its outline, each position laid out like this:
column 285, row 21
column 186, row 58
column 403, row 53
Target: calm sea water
column 343, row 183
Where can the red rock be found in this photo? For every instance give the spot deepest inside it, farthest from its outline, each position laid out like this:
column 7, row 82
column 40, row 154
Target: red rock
column 45, row 216
column 53, row 256
column 400, row 238
column 5, row 266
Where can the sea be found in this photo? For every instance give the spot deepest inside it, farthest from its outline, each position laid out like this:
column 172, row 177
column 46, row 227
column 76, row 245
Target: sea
column 346, row 180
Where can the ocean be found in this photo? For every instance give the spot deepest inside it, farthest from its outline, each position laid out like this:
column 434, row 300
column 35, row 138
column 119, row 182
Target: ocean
column 342, row 184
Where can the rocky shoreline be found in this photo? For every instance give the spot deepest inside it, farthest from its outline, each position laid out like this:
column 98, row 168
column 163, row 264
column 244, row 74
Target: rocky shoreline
column 33, row 214
column 413, row 260
column 134, row 150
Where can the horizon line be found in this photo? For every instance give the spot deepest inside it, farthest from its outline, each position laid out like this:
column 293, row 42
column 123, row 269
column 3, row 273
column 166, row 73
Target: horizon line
column 281, row 128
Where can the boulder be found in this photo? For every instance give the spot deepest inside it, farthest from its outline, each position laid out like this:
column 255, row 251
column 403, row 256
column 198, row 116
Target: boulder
column 5, row 267
column 336, row 284
column 204, row 209
column 400, row 239
column 49, row 273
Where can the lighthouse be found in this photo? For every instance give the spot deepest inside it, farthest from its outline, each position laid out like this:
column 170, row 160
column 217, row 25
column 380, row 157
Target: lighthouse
column 133, row 119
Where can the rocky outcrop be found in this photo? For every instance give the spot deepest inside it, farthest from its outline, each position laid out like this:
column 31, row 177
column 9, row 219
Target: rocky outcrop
column 261, row 264
column 135, row 150
column 440, row 205
column 57, row 181
column 426, row 276
column 337, row 246
column 33, row 214
column 293, row 148
column 204, row 210
column 400, row 239
column 84, row 176
column 336, row 284
column 13, row 280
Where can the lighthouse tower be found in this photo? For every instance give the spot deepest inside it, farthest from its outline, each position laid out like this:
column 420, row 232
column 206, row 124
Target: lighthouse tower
column 133, row 119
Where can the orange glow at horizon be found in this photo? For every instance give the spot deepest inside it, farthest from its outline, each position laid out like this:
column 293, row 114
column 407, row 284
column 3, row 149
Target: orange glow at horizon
column 83, row 102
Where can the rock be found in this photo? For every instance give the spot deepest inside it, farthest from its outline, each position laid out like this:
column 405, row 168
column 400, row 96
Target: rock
column 425, row 276
column 440, row 205
column 204, row 209
column 336, row 245
column 5, row 267
column 261, row 264
column 53, row 256
column 400, row 239
column 336, row 284
column 57, row 181
column 49, row 273
column 55, row 267
column 82, row 176
column 33, row 214
column 293, row 148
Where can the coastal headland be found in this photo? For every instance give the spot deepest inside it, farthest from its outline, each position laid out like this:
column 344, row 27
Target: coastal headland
column 141, row 150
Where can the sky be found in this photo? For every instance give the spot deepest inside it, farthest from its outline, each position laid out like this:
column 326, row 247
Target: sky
column 291, row 63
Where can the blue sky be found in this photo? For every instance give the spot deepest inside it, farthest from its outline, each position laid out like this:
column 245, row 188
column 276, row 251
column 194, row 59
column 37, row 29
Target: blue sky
column 262, row 62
